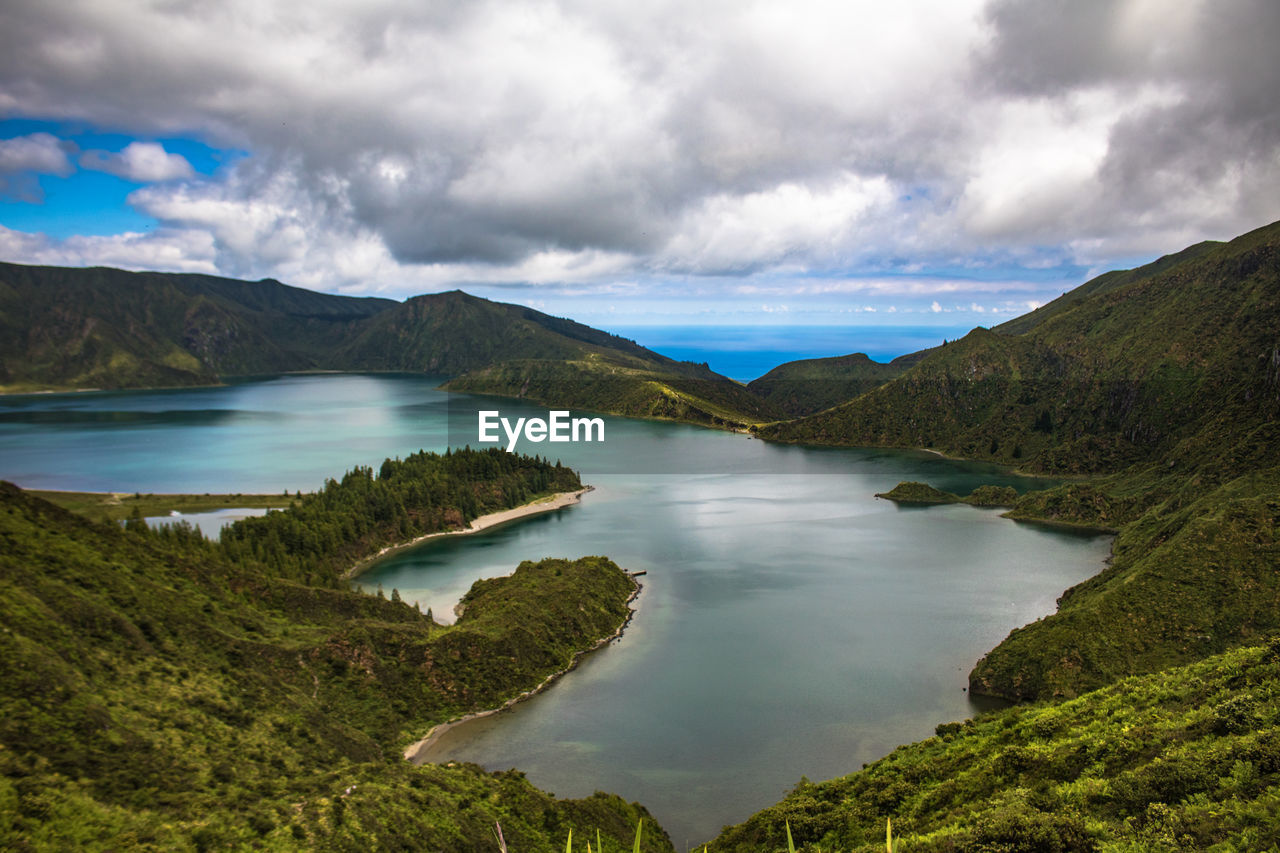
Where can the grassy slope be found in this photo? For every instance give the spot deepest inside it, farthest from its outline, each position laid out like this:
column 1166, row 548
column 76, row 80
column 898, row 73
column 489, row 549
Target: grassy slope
column 1126, row 375
column 1184, row 759
column 1185, row 581
column 811, row 385
column 596, row 383
column 448, row 334
column 158, row 696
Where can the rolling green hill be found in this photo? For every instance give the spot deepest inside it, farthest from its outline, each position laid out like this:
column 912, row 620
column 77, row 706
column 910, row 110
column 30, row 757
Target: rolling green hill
column 159, row 694
column 104, row 328
column 448, row 334
column 811, row 385
column 604, row 384
column 1139, row 368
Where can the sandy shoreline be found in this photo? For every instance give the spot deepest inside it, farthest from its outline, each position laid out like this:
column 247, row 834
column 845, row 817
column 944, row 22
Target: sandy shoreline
column 414, row 751
column 493, row 519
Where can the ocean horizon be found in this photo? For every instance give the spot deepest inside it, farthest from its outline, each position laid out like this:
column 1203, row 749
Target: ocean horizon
column 748, row 352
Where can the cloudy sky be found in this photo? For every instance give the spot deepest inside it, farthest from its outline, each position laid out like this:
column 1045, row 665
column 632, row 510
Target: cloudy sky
column 620, row 162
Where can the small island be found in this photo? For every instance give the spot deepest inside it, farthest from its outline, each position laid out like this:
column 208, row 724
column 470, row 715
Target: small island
column 922, row 494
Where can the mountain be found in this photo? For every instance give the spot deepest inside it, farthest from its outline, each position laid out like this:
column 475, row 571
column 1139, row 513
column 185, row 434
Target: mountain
column 1139, row 367
column 105, row 328
column 813, row 384
column 102, row 328
column 1151, row 727
column 513, row 351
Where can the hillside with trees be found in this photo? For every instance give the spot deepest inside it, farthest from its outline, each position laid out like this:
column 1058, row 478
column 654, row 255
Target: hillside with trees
column 164, row 693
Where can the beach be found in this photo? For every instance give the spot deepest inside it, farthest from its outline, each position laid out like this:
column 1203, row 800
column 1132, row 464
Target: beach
column 560, row 500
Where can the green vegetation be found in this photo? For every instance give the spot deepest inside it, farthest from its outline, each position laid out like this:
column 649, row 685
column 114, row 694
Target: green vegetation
column 1185, row 759
column 1179, row 363
column 448, row 334
column 909, row 492
column 161, row 694
column 603, row 385
column 993, row 496
column 64, row 329
column 323, row 534
column 105, row 328
column 118, row 506
column 1186, row 580
column 811, row 385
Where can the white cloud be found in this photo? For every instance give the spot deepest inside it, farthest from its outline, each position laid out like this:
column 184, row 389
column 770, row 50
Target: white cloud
column 167, row 250
column 22, row 158
column 785, row 223
column 936, row 307
column 42, row 153
column 143, row 162
column 402, row 145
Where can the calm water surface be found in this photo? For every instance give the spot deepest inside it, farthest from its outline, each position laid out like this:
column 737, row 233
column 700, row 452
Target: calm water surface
column 791, row 624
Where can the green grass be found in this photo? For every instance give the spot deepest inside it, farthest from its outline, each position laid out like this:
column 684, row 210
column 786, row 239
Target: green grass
column 118, row 506
column 630, row 389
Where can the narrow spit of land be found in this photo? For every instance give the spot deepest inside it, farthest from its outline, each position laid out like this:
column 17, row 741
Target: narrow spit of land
column 547, row 503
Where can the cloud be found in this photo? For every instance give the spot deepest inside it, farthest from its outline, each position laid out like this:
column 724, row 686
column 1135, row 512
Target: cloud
column 168, row 250
column 1192, row 141
column 22, row 158
column 400, row 145
column 143, row 162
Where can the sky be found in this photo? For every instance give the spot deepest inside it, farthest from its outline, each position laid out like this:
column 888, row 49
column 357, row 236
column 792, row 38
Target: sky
column 627, row 164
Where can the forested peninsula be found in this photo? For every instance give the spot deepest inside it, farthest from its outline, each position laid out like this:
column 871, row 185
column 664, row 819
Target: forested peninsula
column 163, row 692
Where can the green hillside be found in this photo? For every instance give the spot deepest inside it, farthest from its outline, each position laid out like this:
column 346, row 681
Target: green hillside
column 1106, row 282
column 810, row 385
column 104, row 328
column 1187, row 759
column 1130, row 372
column 603, row 384
column 447, row 334
column 159, row 695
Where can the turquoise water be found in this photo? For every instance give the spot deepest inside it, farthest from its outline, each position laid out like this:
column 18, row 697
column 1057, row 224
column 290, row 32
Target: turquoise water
column 791, row 623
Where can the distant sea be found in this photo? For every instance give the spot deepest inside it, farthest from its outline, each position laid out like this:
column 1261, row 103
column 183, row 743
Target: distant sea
column 748, row 352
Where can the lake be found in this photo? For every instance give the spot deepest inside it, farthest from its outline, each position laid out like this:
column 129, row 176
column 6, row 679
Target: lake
column 791, row 623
